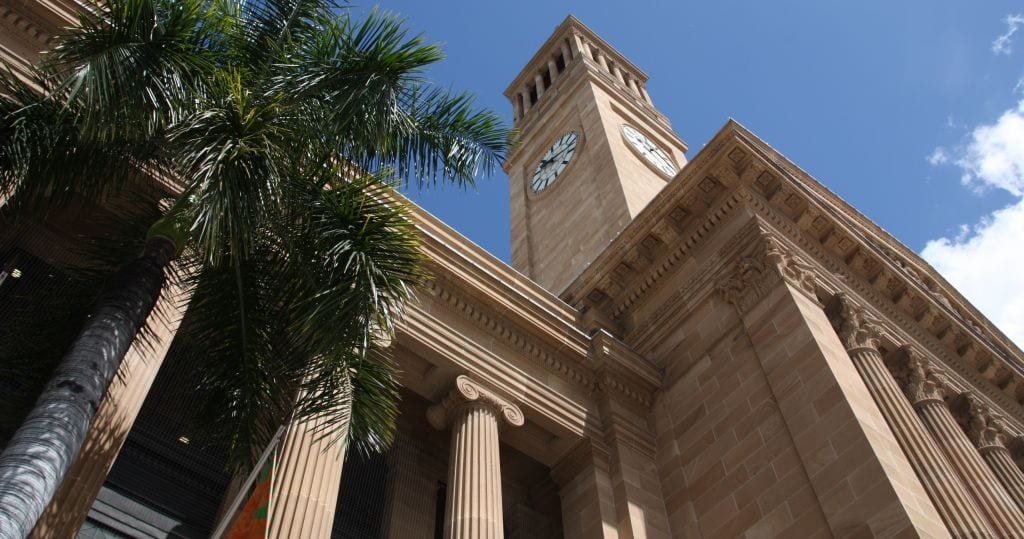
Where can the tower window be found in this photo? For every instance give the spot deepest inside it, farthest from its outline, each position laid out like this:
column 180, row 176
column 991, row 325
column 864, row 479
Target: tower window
column 547, row 79
column 560, row 63
column 533, row 95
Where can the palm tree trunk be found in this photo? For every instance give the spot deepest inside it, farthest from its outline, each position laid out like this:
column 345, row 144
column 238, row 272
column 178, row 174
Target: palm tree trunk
column 41, row 451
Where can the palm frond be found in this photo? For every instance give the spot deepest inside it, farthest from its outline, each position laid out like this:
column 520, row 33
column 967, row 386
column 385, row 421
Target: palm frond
column 133, row 64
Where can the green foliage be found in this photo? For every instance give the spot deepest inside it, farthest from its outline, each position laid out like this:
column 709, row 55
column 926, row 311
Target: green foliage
column 286, row 124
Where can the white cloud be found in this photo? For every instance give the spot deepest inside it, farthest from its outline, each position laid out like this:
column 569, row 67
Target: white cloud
column 1003, row 44
column 994, row 156
column 985, row 261
column 985, row 265
column 938, row 157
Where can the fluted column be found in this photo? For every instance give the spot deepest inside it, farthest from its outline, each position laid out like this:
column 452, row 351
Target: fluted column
column 306, row 481
column 926, row 388
column 989, row 435
column 473, row 506
column 859, row 334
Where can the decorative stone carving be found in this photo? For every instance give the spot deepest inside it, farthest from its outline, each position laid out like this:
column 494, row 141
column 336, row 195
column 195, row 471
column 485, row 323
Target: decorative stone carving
column 857, row 328
column 753, row 277
column 925, row 381
column 984, row 428
column 468, row 391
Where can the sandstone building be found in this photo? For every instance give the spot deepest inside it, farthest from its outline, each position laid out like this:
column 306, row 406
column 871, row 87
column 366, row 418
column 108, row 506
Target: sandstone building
column 718, row 347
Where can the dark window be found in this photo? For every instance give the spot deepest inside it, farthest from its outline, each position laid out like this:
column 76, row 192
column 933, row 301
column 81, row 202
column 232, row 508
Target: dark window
column 560, row 63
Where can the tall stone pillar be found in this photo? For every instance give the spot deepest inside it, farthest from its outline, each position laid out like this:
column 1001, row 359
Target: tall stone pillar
column 306, row 481
column 473, row 507
column 566, row 58
column 538, row 81
column 859, row 335
column 525, row 94
column 926, row 388
column 552, row 71
column 989, row 435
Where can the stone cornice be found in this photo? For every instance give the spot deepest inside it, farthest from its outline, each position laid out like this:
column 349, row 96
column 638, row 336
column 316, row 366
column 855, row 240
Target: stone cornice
column 568, row 366
column 652, row 247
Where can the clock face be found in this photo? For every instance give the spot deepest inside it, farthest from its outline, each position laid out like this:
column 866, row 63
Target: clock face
column 649, row 150
column 554, row 161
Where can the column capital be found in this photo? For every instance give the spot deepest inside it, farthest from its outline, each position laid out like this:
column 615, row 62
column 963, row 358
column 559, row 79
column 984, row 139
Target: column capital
column 769, row 263
column 469, row 392
column 984, row 427
column 857, row 328
column 925, row 381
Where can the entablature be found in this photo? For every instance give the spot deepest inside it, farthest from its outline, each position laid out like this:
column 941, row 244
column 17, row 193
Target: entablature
column 739, row 174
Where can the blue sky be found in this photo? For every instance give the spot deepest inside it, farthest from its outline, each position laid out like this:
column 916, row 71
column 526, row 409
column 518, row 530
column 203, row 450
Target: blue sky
column 908, row 110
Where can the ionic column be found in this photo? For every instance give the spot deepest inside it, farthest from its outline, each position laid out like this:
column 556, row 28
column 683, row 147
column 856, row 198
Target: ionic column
column 473, row 506
column 926, row 388
column 552, row 70
column 565, row 56
column 599, row 56
column 860, row 336
column 306, row 482
column 989, row 435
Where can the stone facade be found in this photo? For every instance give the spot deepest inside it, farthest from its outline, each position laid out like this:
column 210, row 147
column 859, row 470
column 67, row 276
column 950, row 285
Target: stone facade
column 732, row 351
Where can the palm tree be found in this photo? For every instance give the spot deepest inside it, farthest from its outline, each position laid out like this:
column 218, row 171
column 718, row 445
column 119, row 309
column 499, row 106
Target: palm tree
column 285, row 126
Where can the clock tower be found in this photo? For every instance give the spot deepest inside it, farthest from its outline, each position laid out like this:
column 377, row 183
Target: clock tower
column 593, row 152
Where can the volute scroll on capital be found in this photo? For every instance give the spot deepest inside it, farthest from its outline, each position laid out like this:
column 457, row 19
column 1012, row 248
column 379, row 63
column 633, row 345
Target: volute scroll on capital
column 857, row 328
column 468, row 392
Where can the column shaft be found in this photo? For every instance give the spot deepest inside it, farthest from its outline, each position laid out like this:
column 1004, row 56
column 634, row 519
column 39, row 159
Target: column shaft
column 306, row 482
column 1004, row 515
column 473, row 507
column 999, row 459
column 952, row 501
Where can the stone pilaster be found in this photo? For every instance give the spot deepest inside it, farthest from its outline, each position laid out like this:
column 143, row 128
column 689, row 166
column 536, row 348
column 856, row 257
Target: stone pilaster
column 304, row 491
column 927, row 388
column 860, row 336
column 473, row 507
column 586, row 492
column 775, row 293
column 990, row 437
